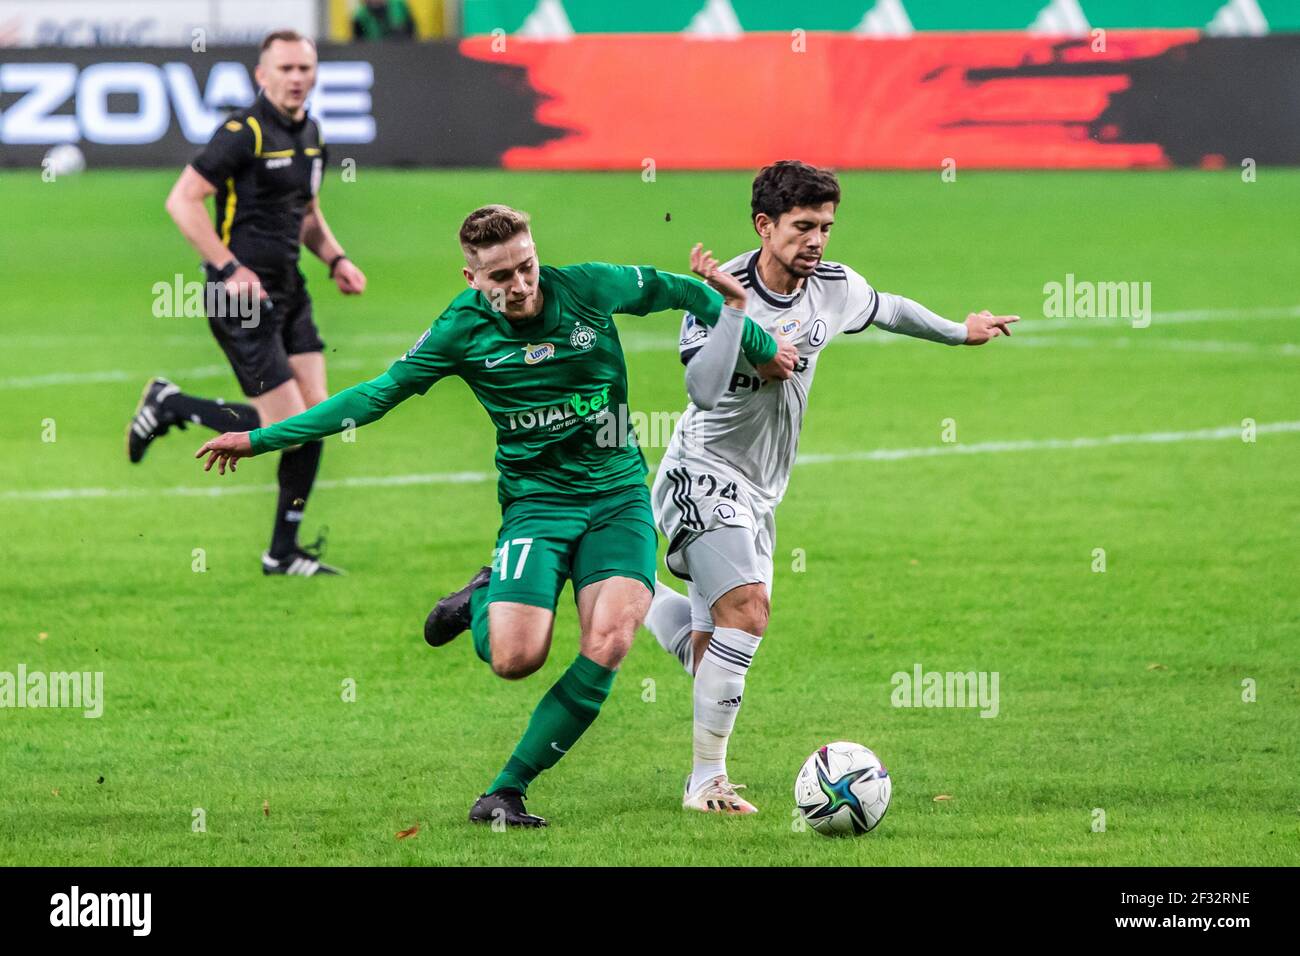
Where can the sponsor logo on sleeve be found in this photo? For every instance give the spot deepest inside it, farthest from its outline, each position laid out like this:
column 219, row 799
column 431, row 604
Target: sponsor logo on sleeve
column 693, row 331
column 418, row 342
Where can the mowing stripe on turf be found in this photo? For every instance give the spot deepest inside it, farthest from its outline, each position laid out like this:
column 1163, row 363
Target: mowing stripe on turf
column 636, row 341
column 475, row 477
column 641, row 342
column 122, row 375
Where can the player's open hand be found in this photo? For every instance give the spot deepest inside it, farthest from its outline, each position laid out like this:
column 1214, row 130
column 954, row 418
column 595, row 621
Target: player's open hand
column 349, row 279
column 781, row 366
column 225, row 449
column 982, row 326
column 706, row 267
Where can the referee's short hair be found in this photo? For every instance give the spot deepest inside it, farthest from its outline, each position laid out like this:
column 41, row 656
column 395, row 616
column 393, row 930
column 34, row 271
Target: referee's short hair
column 490, row 225
column 288, row 36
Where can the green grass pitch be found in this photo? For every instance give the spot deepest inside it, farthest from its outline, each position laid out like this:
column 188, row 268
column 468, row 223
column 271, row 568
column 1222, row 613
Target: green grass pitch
column 1120, row 691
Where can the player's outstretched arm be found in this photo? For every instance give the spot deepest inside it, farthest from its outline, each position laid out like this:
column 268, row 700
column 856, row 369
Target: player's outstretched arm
column 353, row 407
column 896, row 313
column 640, row 290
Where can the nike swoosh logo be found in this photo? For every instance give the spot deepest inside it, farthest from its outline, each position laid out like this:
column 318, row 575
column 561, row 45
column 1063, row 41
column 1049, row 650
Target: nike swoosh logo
column 556, row 746
column 491, row 364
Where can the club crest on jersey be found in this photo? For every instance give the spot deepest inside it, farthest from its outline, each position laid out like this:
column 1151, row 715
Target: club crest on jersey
column 818, row 334
column 538, row 353
column 582, row 338
column 788, row 327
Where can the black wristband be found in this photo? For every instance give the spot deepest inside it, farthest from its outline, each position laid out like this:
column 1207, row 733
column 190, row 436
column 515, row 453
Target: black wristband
column 225, row 272
column 334, row 263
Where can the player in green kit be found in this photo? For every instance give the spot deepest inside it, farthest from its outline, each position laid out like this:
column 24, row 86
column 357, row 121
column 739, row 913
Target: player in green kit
column 539, row 349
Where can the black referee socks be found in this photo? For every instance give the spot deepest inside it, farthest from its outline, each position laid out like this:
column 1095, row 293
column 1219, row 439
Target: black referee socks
column 213, row 413
column 298, row 467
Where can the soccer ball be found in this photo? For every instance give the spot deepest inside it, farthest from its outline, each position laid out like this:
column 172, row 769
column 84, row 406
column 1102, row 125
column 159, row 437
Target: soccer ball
column 64, row 160
column 842, row 789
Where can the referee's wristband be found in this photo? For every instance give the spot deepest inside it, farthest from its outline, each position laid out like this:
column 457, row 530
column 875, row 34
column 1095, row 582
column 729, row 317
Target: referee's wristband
column 334, row 263
column 223, row 273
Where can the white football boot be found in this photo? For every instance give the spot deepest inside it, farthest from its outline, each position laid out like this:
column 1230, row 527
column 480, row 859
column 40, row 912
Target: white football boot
column 717, row 795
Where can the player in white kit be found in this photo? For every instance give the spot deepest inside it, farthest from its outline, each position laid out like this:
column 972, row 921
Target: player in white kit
column 729, row 459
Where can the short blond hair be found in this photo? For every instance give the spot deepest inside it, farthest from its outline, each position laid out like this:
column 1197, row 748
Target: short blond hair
column 490, row 225
column 286, row 36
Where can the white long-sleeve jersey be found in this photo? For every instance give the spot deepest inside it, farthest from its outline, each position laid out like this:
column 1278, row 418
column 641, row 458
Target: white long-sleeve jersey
column 752, row 433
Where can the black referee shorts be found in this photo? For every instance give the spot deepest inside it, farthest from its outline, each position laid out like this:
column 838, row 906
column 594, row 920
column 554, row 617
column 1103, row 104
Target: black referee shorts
column 258, row 346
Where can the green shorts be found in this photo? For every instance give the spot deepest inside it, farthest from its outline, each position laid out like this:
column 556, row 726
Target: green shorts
column 547, row 539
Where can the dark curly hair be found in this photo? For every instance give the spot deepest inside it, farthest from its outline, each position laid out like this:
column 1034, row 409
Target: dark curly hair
column 787, row 184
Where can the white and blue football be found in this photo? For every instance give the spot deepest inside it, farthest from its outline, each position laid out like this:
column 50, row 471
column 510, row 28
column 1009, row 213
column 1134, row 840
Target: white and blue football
column 842, row 789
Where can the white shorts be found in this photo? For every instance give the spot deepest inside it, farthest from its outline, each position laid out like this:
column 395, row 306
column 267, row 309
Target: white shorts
column 720, row 536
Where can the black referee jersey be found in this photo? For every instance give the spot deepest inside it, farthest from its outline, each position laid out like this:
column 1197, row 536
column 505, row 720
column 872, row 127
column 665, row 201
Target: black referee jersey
column 266, row 169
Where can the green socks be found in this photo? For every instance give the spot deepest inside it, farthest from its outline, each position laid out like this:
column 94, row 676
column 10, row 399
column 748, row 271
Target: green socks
column 478, row 623
column 561, row 717
column 566, row 711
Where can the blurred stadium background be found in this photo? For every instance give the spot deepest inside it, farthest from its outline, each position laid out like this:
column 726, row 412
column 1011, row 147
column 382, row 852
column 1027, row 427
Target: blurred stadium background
column 949, row 509
column 583, row 84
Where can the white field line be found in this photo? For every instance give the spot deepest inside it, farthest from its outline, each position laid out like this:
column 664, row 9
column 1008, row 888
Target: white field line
column 1047, row 444
column 216, row 489
column 636, row 340
column 1164, row 318
column 1163, row 344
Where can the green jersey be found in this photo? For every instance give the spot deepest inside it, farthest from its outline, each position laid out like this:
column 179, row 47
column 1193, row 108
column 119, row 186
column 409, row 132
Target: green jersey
column 552, row 385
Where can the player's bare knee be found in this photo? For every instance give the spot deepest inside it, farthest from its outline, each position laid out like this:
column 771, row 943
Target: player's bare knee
column 745, row 608
column 513, row 669
column 523, row 654
column 608, row 645
column 517, row 664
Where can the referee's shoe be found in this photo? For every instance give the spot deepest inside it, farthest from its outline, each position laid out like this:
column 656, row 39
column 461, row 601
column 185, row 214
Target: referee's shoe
column 151, row 420
column 303, row 561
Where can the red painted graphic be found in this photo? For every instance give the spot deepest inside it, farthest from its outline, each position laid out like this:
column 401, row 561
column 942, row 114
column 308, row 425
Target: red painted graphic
column 1149, row 99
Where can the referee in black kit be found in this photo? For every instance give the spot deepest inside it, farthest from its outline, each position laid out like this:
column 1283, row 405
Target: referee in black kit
column 264, row 166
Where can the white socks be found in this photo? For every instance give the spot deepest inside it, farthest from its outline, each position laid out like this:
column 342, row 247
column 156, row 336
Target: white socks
column 669, row 619
column 719, row 683
column 719, row 687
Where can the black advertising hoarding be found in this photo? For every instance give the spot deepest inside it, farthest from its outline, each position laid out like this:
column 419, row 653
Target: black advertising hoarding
column 420, row 104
